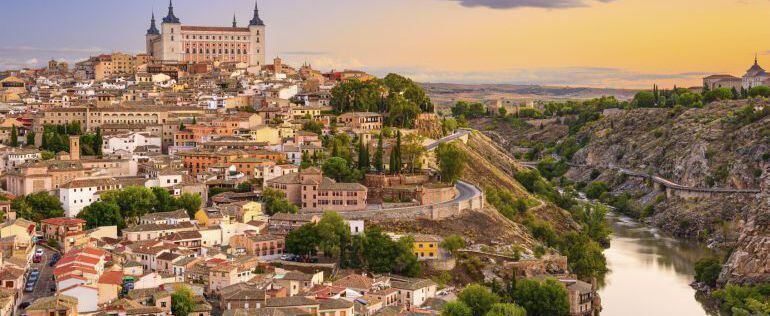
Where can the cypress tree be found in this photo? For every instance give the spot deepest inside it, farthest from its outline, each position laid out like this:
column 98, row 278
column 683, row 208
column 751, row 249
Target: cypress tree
column 379, row 163
column 393, row 163
column 98, row 141
column 14, row 136
column 398, row 148
column 30, row 138
column 44, row 144
column 363, row 156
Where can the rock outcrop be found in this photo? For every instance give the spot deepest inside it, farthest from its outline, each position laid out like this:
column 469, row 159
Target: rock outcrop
column 750, row 260
column 709, row 147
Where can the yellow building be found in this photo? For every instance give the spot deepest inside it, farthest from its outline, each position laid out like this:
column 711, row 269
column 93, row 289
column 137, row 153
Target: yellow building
column 252, row 211
column 179, row 87
column 426, row 247
column 21, row 228
column 267, row 134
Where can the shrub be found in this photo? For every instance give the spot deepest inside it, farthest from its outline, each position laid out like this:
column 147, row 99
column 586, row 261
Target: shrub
column 707, row 270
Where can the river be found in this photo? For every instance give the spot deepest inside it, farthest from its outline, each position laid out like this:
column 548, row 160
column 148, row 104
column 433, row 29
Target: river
column 649, row 273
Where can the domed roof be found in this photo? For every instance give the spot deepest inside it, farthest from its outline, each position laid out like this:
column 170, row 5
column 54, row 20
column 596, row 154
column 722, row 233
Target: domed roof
column 755, row 70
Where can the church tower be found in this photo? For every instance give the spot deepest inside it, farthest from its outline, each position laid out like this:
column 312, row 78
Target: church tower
column 171, row 36
column 152, row 37
column 75, row 147
column 257, row 30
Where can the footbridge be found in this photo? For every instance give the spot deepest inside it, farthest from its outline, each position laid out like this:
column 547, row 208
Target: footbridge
column 461, row 133
column 672, row 188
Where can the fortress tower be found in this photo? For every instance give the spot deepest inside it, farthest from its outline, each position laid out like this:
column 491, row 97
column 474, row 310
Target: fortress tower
column 182, row 43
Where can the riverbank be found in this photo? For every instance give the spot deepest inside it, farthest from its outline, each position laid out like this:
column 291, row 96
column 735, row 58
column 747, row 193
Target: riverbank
column 649, row 268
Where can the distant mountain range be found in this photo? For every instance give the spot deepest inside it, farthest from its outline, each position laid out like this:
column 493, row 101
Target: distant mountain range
column 449, row 93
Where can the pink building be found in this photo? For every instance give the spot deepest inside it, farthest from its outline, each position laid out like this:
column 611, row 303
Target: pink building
column 310, row 190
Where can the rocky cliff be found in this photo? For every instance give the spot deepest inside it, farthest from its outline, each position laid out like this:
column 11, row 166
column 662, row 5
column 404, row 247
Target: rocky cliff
column 749, row 261
column 704, row 148
column 723, row 145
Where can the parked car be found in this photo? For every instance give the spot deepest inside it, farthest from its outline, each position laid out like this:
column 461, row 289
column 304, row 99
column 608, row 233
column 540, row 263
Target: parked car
column 39, row 251
column 24, row 305
column 37, row 259
column 29, row 288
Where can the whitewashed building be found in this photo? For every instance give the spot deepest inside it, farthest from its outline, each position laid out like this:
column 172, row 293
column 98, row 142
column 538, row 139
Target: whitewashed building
column 79, row 193
column 129, row 142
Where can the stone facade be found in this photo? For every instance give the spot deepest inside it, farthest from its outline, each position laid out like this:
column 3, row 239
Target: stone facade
column 182, row 43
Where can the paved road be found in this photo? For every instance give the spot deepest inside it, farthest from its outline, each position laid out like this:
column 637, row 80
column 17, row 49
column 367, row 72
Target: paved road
column 44, row 282
column 459, row 133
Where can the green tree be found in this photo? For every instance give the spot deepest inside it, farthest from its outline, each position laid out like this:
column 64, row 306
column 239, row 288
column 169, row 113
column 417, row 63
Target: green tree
column 47, row 155
column 14, row 136
column 401, row 111
column 405, row 261
column 338, row 169
column 469, row 110
column 411, row 152
column 707, row 270
column 37, row 206
column 583, row 254
column 448, row 125
column 182, row 301
column 364, row 163
column 506, row 309
column 313, row 126
column 381, row 254
column 542, row 298
column 395, row 155
column 190, row 202
column 595, row 189
column 102, row 214
column 451, row 162
column 456, row 308
column 644, row 99
column 133, row 201
column 479, row 298
column 333, row 234
column 164, row 201
column 303, row 241
column 357, row 96
column 717, row 95
column 276, row 202
column 411, row 91
column 30, row 138
column 98, row 142
column 689, row 99
column 759, row 91
column 452, row 243
column 379, row 162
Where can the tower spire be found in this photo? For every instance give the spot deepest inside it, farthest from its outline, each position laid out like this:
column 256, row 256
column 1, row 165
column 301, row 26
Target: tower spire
column 256, row 21
column 755, row 58
column 170, row 18
column 235, row 23
column 153, row 30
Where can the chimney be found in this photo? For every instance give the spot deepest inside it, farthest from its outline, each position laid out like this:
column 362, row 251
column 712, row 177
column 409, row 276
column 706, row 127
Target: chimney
column 75, row 147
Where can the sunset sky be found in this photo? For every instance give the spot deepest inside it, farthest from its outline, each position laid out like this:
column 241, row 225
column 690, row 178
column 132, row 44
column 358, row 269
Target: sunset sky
column 608, row 43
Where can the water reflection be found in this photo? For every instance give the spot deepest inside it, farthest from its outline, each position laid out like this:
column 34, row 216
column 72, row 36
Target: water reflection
column 649, row 273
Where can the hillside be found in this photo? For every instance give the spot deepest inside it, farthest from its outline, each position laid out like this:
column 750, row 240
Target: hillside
column 488, row 165
column 446, row 94
column 723, row 145
column 708, row 147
